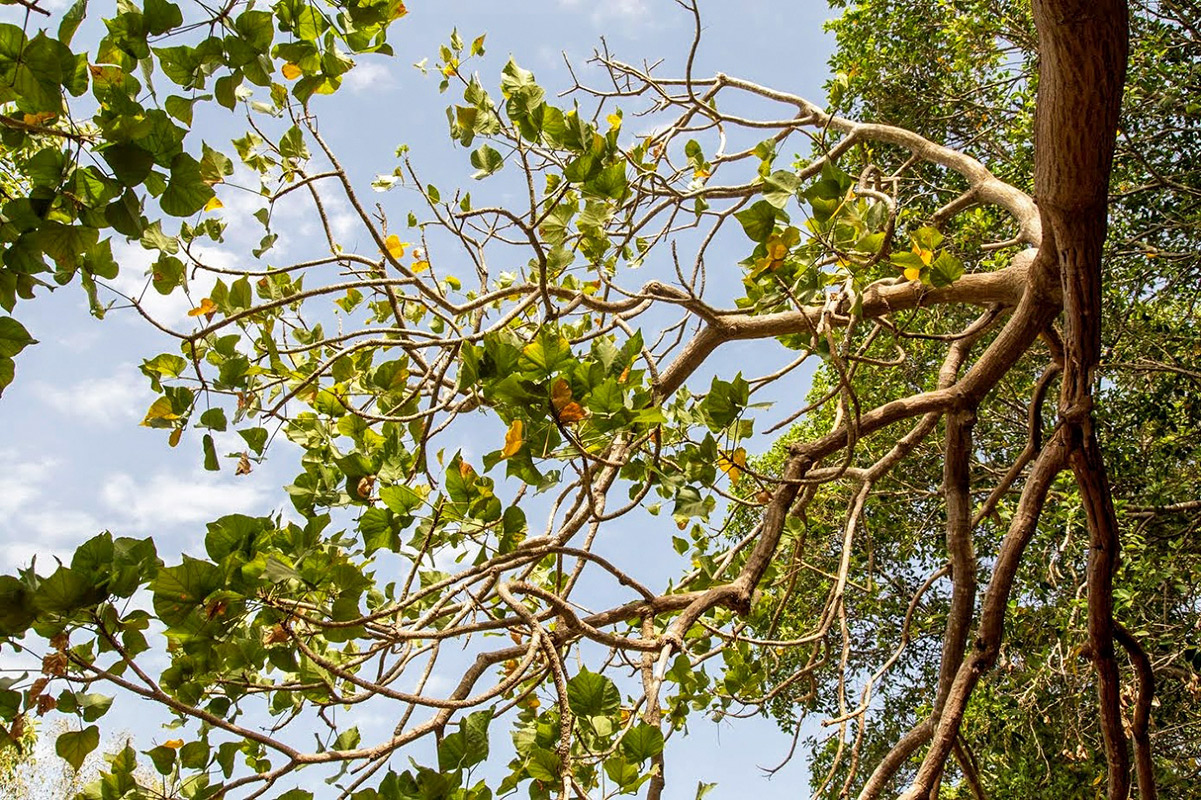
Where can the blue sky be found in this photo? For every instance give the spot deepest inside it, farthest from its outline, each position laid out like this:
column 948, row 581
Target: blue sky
column 73, row 460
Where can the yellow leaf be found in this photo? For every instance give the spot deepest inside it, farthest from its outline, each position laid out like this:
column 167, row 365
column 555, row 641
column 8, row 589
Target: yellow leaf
column 395, row 247
column 291, row 71
column 159, row 409
column 614, row 120
column 213, row 204
column 925, row 255
column 513, row 439
column 421, row 266
column 174, row 438
column 39, row 118
column 733, row 463
column 913, row 274
column 174, row 744
column 206, row 308
column 243, row 467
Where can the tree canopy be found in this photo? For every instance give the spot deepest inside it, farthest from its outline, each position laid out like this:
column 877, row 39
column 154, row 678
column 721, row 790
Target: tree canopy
column 994, row 467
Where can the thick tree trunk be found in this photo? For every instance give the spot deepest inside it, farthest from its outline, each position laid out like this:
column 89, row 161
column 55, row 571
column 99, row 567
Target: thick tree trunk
column 1083, row 47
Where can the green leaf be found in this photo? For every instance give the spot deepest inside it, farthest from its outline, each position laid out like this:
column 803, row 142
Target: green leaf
column 66, row 591
column 759, row 220
column 486, row 160
column 946, row 269
column 163, row 758
column 213, row 418
column 232, row 533
column 74, row 746
column 70, row 21
column 7, row 372
column 296, row 794
column 94, row 706
column 292, row 144
column 643, row 741
column 591, row 694
column 129, row 162
column 161, row 16
column 187, row 191
column 400, row 499
column 725, row 401
column 17, row 609
column 13, row 337
column 210, row 454
column 179, row 591
column 545, row 354
column 780, row 187
column 256, row 439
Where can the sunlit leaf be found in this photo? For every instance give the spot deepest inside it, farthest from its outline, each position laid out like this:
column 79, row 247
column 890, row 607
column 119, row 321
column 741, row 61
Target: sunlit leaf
column 513, row 439
column 207, row 308
column 395, row 247
column 733, row 463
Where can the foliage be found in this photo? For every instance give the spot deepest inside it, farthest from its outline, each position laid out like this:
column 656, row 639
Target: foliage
column 576, row 373
column 966, row 74
column 73, row 180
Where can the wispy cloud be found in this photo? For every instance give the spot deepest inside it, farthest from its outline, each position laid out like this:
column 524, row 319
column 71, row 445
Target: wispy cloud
column 167, row 500
column 369, row 76
column 30, row 523
column 21, row 480
column 100, row 401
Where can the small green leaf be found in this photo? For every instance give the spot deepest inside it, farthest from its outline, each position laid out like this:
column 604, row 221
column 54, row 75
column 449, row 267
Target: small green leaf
column 210, row 454
column 486, row 160
column 74, row 746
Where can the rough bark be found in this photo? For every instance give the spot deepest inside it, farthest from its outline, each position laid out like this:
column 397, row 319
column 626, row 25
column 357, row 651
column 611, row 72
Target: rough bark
column 1083, row 47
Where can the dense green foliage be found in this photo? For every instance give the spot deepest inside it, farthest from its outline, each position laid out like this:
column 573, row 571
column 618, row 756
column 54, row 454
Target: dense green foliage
column 964, row 74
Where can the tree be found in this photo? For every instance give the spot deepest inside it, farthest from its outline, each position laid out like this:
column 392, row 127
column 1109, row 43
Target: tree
column 370, row 358
column 965, row 74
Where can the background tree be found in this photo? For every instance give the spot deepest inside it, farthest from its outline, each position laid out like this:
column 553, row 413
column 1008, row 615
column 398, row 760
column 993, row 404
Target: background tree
column 405, row 561
column 965, row 74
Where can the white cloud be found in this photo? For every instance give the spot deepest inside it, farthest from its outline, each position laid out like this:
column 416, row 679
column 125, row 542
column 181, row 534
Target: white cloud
column 368, row 76
column 29, row 526
column 102, row 401
column 167, row 500
column 21, row 480
column 57, row 526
